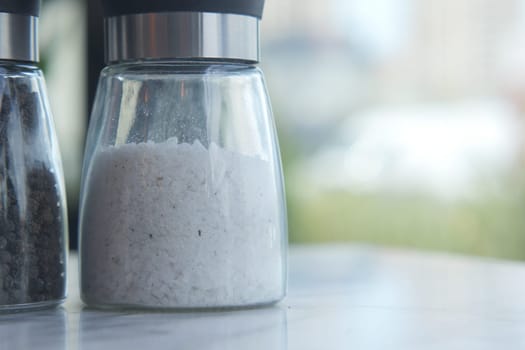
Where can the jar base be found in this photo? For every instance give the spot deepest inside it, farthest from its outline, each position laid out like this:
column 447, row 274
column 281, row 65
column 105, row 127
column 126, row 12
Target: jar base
column 163, row 308
column 41, row 305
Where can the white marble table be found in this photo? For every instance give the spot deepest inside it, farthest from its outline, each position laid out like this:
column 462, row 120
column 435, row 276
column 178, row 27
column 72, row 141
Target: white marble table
column 340, row 297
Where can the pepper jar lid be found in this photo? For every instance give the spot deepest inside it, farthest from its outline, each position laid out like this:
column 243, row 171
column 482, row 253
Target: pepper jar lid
column 18, row 30
column 182, row 29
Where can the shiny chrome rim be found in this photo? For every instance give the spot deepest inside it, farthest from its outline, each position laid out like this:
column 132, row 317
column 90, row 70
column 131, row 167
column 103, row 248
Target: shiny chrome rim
column 18, row 37
column 184, row 35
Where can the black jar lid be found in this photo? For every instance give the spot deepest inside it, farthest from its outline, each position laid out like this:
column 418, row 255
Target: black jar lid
column 21, row 7
column 252, row 8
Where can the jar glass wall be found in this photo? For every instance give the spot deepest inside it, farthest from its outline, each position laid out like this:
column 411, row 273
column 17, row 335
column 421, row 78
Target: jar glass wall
column 182, row 202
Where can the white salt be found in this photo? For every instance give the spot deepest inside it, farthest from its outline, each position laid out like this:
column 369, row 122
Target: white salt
column 178, row 225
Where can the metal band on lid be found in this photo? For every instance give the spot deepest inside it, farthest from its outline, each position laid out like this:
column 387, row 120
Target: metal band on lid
column 18, row 37
column 182, row 35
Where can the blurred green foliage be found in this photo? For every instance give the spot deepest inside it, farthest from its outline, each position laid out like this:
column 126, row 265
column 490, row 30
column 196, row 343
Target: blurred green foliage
column 488, row 225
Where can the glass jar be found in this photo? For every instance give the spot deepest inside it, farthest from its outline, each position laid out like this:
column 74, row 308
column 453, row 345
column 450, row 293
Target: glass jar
column 182, row 200
column 33, row 222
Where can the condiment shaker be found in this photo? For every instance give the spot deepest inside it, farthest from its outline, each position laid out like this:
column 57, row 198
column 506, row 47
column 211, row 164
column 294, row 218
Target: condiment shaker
column 33, row 222
column 182, row 200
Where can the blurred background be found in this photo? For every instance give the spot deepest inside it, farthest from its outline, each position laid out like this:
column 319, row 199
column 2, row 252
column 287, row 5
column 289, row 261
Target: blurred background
column 401, row 122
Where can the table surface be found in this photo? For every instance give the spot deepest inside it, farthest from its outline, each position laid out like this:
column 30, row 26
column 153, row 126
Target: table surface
column 340, row 297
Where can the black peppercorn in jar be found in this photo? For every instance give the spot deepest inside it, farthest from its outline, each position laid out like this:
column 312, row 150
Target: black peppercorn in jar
column 32, row 207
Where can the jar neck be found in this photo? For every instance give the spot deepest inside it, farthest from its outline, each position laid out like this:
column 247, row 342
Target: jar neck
column 181, row 62
column 18, row 37
column 182, row 36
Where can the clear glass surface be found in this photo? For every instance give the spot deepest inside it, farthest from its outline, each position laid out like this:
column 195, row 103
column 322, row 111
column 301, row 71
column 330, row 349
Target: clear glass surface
column 182, row 201
column 33, row 221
